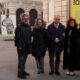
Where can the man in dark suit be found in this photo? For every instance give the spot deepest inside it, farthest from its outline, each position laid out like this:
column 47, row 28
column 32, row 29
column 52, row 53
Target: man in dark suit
column 23, row 44
column 55, row 36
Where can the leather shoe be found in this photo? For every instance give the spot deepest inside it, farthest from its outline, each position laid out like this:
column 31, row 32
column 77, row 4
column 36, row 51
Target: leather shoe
column 22, row 76
column 51, row 73
column 57, row 72
column 42, row 72
column 25, row 73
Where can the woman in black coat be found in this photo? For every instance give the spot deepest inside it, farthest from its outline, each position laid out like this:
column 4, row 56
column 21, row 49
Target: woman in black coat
column 38, row 45
column 71, row 55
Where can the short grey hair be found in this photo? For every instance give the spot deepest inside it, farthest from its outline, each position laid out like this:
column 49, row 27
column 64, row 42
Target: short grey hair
column 23, row 15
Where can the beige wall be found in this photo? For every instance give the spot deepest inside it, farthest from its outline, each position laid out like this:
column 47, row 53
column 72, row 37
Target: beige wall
column 59, row 7
column 26, row 6
column 46, row 10
column 50, row 8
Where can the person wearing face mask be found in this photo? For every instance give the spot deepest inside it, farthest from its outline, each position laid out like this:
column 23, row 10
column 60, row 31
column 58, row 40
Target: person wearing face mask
column 39, row 45
column 23, row 44
column 55, row 38
column 71, row 58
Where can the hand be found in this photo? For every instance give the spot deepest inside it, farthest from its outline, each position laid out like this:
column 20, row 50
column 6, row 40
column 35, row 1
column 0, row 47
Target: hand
column 57, row 40
column 68, row 51
column 20, row 48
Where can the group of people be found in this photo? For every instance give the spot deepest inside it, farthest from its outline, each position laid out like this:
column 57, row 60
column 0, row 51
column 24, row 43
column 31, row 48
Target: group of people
column 56, row 38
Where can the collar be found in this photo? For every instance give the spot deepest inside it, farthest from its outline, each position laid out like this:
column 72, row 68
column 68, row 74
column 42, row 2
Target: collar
column 56, row 25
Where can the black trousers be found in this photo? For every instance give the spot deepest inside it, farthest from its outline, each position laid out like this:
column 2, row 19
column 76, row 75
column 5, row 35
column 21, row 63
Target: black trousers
column 54, row 61
column 21, row 61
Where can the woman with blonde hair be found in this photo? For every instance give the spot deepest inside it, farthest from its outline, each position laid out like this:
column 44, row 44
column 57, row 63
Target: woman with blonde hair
column 39, row 45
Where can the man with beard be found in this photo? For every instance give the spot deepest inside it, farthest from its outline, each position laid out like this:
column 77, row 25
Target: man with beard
column 23, row 44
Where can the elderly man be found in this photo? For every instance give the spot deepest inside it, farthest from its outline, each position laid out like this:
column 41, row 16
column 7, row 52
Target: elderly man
column 55, row 35
column 23, row 44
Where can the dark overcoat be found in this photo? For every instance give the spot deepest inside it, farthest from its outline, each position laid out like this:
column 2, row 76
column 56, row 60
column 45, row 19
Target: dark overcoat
column 39, row 42
column 53, row 33
column 71, row 59
column 23, row 37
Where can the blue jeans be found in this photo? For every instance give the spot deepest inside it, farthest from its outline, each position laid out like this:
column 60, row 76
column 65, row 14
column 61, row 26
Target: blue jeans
column 40, row 64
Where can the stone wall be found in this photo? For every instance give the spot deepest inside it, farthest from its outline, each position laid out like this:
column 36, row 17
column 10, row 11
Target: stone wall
column 26, row 6
column 46, row 10
column 59, row 7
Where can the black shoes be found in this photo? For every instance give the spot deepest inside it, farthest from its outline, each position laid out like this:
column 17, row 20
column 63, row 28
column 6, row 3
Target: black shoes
column 26, row 74
column 57, row 72
column 42, row 72
column 51, row 73
column 22, row 76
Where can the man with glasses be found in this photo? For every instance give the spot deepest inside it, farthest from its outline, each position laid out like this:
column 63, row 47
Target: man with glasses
column 55, row 36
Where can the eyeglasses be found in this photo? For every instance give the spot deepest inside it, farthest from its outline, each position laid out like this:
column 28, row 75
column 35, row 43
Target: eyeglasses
column 57, row 19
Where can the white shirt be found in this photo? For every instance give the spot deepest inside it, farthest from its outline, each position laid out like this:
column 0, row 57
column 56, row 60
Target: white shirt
column 56, row 25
